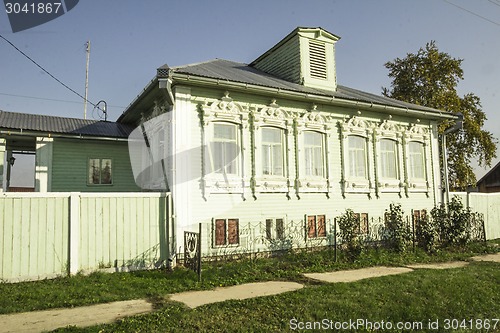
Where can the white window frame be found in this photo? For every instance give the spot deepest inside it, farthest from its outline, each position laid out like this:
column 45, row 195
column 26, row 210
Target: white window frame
column 222, row 182
column 357, row 126
column 269, row 145
column 354, row 161
column 312, row 161
column 416, row 184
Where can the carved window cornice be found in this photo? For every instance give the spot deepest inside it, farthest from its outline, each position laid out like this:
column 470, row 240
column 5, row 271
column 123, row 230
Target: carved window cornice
column 313, row 120
column 224, row 109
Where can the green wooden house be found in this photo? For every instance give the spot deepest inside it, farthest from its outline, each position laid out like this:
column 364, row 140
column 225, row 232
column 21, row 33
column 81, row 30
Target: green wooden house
column 265, row 155
column 70, row 155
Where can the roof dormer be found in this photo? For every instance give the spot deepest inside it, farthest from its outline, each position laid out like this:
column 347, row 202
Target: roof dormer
column 306, row 56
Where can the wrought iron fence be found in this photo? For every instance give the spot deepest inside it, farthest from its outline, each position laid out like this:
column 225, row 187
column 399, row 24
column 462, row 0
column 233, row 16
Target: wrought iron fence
column 265, row 238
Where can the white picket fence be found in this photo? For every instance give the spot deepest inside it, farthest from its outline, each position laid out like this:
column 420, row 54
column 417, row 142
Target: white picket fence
column 487, row 204
column 44, row 235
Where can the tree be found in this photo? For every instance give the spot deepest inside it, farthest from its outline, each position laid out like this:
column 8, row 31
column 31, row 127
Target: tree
column 429, row 78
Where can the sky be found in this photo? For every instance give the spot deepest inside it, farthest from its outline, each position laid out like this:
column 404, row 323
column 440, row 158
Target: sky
column 129, row 40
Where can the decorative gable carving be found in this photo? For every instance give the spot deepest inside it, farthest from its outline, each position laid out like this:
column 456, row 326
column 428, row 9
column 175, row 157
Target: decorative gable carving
column 224, row 109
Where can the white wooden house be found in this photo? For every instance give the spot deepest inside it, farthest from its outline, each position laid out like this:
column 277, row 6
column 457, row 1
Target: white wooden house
column 269, row 153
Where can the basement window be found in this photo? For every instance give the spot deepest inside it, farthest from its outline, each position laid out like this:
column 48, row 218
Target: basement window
column 274, row 229
column 227, row 232
column 316, row 226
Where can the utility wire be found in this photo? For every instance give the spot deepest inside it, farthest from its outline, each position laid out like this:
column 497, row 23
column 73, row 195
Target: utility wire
column 471, row 12
column 495, row 2
column 47, row 72
column 53, row 99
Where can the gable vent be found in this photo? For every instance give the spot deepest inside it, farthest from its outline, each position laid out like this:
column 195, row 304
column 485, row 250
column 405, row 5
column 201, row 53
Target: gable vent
column 317, row 60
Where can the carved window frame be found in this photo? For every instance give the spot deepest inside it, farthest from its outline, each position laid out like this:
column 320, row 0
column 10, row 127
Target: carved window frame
column 223, row 111
column 420, row 134
column 356, row 126
column 313, row 121
column 389, row 130
column 271, row 116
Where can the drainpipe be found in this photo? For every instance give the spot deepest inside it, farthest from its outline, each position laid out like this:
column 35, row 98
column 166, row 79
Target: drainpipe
column 458, row 126
column 164, row 76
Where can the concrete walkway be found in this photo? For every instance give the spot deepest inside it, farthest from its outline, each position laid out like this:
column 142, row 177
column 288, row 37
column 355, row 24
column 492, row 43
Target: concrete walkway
column 39, row 321
column 194, row 299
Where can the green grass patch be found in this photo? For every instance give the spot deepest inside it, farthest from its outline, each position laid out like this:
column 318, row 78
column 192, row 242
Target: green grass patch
column 96, row 288
column 419, row 297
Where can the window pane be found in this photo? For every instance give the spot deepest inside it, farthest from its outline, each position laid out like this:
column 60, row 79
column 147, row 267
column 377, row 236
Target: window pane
column 106, row 171
column 269, row 228
column 321, row 226
column 311, row 226
column 416, row 160
column 225, row 149
column 220, row 232
column 272, row 151
column 357, row 156
column 280, row 229
column 232, row 231
column 225, row 131
column 94, row 171
column 388, row 160
column 313, row 154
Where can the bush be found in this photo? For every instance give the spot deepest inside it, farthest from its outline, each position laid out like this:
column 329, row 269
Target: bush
column 397, row 233
column 426, row 234
column 452, row 225
column 348, row 225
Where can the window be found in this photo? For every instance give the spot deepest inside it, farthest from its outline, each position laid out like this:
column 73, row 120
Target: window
column 99, row 171
column 227, row 232
column 272, row 151
column 275, row 229
column 388, row 159
column 357, row 156
column 316, row 226
column 362, row 219
column 416, row 160
column 313, row 147
column 225, row 149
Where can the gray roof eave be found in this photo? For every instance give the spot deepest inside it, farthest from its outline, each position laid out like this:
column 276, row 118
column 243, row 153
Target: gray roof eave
column 315, row 95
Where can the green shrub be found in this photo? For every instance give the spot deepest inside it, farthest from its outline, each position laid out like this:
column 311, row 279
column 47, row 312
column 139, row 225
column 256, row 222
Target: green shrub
column 348, row 225
column 398, row 234
column 452, row 225
column 427, row 235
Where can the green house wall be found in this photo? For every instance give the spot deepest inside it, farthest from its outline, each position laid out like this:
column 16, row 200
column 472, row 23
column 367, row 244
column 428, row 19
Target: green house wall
column 70, row 165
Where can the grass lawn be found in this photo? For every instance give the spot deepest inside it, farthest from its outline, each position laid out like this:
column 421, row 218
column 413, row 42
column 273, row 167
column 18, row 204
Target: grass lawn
column 472, row 292
column 417, row 298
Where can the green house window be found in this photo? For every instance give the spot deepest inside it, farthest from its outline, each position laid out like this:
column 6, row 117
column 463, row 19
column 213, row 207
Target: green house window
column 100, row 171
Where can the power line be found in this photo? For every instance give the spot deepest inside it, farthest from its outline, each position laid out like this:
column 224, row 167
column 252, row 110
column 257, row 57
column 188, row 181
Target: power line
column 495, row 2
column 471, row 12
column 53, row 99
column 47, row 72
